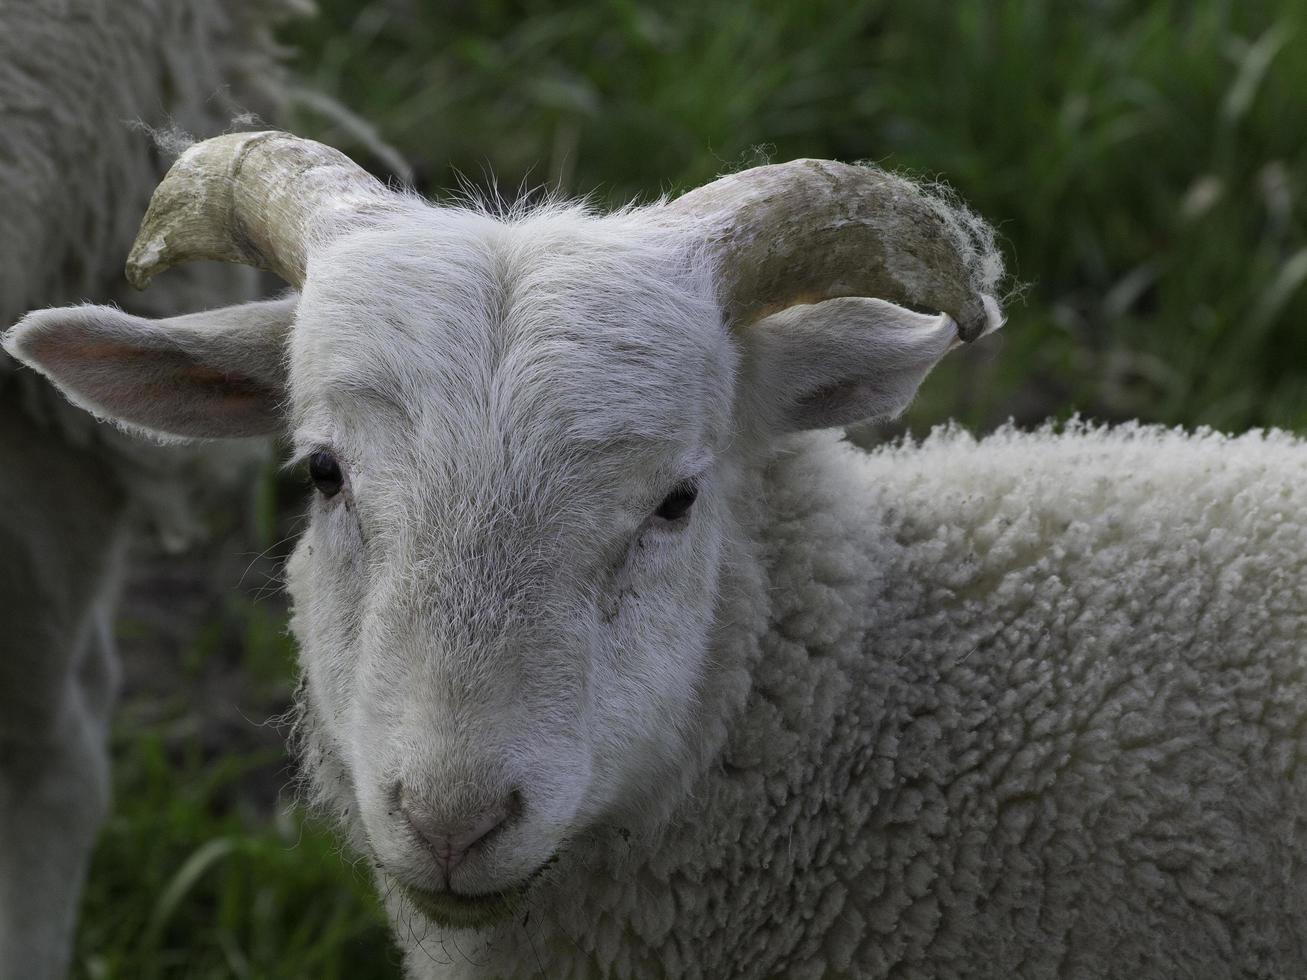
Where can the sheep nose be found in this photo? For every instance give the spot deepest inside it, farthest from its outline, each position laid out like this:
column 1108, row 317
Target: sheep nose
column 450, row 840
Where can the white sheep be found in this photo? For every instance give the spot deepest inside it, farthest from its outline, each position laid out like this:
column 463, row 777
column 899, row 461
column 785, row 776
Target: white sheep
column 613, row 668
column 74, row 176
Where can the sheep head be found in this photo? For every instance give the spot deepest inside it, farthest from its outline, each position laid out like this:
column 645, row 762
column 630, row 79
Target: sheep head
column 531, row 438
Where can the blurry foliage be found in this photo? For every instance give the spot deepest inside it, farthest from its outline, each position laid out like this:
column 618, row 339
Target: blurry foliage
column 1144, row 162
column 191, row 881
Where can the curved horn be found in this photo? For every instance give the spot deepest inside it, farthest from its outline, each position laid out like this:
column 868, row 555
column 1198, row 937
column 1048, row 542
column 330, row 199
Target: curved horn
column 250, row 198
column 812, row 230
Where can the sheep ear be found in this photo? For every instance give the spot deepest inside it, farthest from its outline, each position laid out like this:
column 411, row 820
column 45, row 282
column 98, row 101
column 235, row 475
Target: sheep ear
column 841, row 361
column 215, row 374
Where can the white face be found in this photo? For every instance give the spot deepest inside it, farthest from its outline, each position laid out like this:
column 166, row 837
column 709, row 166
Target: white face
column 504, row 594
column 530, row 439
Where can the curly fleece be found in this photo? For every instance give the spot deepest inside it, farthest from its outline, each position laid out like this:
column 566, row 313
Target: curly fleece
column 79, row 80
column 1030, row 706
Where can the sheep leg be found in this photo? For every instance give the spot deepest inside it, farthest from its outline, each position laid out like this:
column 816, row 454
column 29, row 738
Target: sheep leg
column 62, row 537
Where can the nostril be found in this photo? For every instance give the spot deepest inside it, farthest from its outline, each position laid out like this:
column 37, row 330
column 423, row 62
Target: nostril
column 450, row 840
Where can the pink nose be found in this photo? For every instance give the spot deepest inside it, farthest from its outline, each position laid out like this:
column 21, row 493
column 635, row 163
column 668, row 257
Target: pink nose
column 449, row 841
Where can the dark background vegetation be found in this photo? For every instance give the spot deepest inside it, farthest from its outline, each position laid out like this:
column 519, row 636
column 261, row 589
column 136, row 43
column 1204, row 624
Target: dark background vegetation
column 1145, row 163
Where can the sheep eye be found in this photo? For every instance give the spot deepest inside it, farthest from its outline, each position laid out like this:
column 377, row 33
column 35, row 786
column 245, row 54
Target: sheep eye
column 325, row 473
column 677, row 503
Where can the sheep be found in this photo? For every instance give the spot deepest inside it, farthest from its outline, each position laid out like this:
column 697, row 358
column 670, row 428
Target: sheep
column 79, row 79
column 618, row 661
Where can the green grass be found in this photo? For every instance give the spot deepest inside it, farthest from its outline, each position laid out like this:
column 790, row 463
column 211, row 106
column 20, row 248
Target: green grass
column 1144, row 162
column 207, row 869
column 187, row 882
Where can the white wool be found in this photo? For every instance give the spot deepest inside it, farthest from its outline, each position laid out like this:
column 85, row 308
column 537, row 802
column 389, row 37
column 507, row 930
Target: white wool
column 76, row 79
column 1030, row 705
column 1020, row 702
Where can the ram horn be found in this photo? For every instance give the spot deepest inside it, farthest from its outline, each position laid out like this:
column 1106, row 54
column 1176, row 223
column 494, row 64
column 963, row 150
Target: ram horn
column 252, row 198
column 813, row 230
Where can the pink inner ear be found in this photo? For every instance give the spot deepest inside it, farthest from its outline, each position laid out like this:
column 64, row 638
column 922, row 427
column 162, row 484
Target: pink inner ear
column 154, row 371
column 80, row 352
column 70, row 349
column 161, row 388
column 226, row 385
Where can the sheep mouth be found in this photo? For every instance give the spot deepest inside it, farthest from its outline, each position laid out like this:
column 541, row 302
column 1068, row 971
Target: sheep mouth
column 456, row 910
